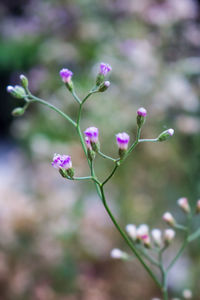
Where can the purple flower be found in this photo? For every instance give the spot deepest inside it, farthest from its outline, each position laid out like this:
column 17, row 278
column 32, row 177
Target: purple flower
column 62, row 161
column 122, row 140
column 142, row 112
column 66, row 75
column 104, row 69
column 88, row 144
column 92, row 133
column 170, row 131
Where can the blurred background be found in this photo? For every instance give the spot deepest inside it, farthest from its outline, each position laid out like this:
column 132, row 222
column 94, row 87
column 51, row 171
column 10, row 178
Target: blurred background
column 55, row 237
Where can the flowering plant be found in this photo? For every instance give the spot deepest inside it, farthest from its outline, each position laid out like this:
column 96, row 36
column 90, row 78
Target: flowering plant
column 148, row 247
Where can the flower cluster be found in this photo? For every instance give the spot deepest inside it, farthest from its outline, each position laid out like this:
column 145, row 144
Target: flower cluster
column 142, row 234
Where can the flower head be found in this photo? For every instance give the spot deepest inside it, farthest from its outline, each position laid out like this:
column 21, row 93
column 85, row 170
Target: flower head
column 170, row 131
column 142, row 231
column 169, row 235
column 104, row 69
column 165, row 135
column 92, row 134
column 187, row 294
column 132, row 231
column 142, row 112
column 157, row 236
column 62, row 161
column 184, row 205
column 118, row 254
column 66, row 75
column 88, row 144
column 122, row 140
column 198, row 207
column 169, row 219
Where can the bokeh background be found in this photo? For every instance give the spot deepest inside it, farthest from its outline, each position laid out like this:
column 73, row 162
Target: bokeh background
column 55, row 237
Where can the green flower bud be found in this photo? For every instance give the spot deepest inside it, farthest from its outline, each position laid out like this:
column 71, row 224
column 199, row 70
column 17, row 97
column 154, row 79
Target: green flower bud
column 70, row 172
column 18, row 111
column 24, row 81
column 104, row 86
column 165, row 135
column 100, row 79
column 16, row 91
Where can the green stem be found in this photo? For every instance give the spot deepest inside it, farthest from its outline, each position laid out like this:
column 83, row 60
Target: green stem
column 147, row 256
column 83, row 178
column 181, row 227
column 111, row 174
column 148, row 140
column 93, row 91
column 106, row 156
column 163, row 274
column 194, row 236
column 185, row 242
column 180, row 251
column 75, row 96
column 127, row 240
column 36, row 99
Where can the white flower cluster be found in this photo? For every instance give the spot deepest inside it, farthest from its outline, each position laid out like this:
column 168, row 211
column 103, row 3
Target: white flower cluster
column 142, row 234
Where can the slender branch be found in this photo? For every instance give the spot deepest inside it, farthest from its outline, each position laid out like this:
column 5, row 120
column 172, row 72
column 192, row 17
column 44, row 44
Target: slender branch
column 150, row 258
column 181, row 227
column 93, row 91
column 106, row 156
column 83, row 178
column 194, row 236
column 75, row 96
column 127, row 240
column 111, row 174
column 36, row 99
column 148, row 140
column 180, row 251
column 163, row 274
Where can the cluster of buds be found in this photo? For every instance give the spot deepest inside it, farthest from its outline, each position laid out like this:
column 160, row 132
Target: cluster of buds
column 64, row 164
column 100, row 80
column 92, row 138
column 141, row 234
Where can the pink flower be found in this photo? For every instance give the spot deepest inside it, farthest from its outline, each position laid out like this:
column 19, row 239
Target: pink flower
column 122, row 140
column 66, row 75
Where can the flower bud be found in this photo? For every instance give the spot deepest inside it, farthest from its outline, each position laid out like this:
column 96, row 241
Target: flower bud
column 184, row 205
column 169, row 219
column 16, row 91
column 118, row 254
column 169, row 235
column 142, row 230
column 63, row 163
column 18, row 111
column 146, row 240
column 24, row 81
column 93, row 135
column 104, row 86
column 132, row 231
column 165, row 135
column 187, row 294
column 141, row 116
column 198, row 207
column 104, row 69
column 66, row 76
column 157, row 237
column 122, row 142
column 90, row 152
